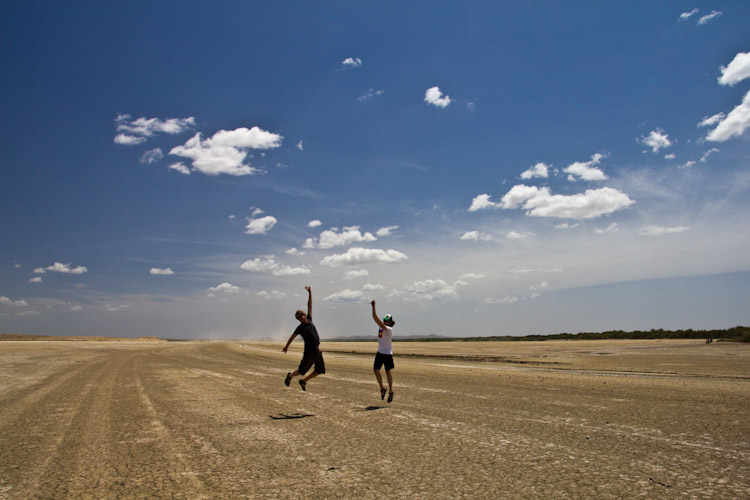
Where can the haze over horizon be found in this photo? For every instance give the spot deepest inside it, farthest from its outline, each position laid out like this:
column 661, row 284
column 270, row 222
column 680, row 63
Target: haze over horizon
column 184, row 169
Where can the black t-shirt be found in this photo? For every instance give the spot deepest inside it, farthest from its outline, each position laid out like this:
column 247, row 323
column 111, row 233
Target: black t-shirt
column 309, row 334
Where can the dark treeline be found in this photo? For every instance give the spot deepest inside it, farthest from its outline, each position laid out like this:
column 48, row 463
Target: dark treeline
column 736, row 334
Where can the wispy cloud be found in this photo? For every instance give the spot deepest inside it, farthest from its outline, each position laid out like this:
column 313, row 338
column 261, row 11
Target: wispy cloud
column 686, row 15
column 273, row 295
column 612, row 228
column 132, row 132
column 475, row 236
column 425, row 291
column 435, row 97
column 370, row 94
column 152, row 156
column 709, row 17
column 660, row 231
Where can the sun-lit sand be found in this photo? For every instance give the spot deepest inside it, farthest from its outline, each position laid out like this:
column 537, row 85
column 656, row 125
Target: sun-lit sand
column 556, row 419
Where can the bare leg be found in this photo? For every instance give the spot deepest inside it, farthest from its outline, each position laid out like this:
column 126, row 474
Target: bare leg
column 390, row 380
column 312, row 375
column 380, row 379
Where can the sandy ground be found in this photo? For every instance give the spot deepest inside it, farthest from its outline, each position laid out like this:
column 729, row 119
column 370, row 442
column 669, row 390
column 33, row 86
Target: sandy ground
column 607, row 419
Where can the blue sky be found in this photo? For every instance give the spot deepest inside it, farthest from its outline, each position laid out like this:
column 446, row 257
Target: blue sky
column 184, row 169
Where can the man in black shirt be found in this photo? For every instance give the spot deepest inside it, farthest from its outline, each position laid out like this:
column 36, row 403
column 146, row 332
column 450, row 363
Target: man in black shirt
column 312, row 355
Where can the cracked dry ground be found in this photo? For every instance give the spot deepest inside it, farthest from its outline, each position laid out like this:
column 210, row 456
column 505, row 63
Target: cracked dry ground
column 198, row 420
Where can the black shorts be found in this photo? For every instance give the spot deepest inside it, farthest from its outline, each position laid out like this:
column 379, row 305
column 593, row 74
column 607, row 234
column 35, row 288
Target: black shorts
column 310, row 358
column 383, row 359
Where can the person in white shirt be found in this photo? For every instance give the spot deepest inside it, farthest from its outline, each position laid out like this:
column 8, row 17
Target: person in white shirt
column 384, row 355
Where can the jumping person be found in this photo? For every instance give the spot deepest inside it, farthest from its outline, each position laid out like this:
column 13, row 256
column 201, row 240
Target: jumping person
column 384, row 356
column 312, row 355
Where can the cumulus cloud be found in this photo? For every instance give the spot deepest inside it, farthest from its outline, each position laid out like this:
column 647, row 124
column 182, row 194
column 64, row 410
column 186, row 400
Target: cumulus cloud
column 268, row 264
column 346, row 296
column 425, row 291
column 294, row 251
column 357, row 256
column 656, row 140
column 351, row 62
column 314, row 223
column 226, row 151
column 225, row 288
column 734, row 124
column 538, row 170
column 132, row 132
column 152, row 156
column 435, row 97
column 58, row 267
column 161, row 272
column 332, row 238
column 13, row 303
column 539, row 202
column 274, row 295
column 660, row 231
column 588, row 171
column 709, row 17
column 737, row 70
column 475, row 236
column 372, row 287
column 351, row 275
column 261, row 225
column 38, row 279
column 370, row 94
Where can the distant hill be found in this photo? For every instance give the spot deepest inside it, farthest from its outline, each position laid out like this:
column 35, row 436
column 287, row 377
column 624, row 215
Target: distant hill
column 78, row 338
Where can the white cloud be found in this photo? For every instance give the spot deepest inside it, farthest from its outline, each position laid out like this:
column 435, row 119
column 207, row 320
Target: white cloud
column 566, row 225
column 13, row 303
column 120, row 307
column 300, row 146
column 587, row 170
column 708, row 153
column 152, row 156
column 225, row 288
column 331, row 238
column 180, row 167
column 137, row 131
column 709, row 17
column 670, row 156
column 358, row 256
column 38, row 279
column 538, row 170
column 686, row 15
column 23, row 314
column 612, row 228
column 687, row 164
column 738, row 70
column 710, row 121
column 274, row 295
column 314, row 223
column 508, row 299
column 526, row 270
column 735, row 123
column 294, row 251
column 539, row 202
column 425, row 291
column 76, row 309
column 57, row 267
column 370, row 94
column 256, row 211
column 268, row 264
column 472, row 276
column 351, row 275
column 386, row 231
column 260, row 226
column 656, row 140
column 371, row 287
column 435, row 97
column 475, row 236
column 347, row 296
column 225, row 152
column 351, row 62
column 660, row 231
column 161, row 272
column 515, row 235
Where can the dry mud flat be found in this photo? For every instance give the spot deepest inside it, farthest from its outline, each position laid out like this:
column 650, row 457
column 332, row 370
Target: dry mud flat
column 612, row 419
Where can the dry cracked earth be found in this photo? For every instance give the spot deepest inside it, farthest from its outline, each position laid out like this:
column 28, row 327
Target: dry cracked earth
column 195, row 420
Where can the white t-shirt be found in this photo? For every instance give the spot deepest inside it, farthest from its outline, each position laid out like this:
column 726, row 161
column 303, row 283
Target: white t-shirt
column 385, row 341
